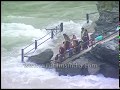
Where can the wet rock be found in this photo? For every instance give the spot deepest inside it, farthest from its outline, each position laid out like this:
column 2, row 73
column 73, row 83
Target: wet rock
column 72, row 70
column 108, row 16
column 109, row 71
column 42, row 58
column 107, row 52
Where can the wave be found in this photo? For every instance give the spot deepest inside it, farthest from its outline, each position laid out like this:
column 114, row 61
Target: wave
column 11, row 16
column 15, row 75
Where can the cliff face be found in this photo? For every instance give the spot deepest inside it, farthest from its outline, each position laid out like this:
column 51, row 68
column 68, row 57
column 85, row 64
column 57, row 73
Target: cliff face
column 108, row 16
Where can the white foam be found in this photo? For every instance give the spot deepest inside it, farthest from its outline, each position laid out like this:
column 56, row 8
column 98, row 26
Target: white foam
column 15, row 75
column 20, row 29
column 11, row 16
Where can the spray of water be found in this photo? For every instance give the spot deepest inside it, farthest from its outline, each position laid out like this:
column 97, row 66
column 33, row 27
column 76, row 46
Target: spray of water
column 14, row 74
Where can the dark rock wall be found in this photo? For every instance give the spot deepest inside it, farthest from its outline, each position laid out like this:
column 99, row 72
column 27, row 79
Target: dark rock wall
column 108, row 16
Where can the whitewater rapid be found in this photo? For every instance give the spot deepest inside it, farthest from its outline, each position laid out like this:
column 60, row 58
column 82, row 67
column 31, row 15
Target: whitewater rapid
column 14, row 74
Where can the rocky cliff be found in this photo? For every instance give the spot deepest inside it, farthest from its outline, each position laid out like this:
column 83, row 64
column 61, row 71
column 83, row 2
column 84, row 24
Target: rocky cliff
column 108, row 16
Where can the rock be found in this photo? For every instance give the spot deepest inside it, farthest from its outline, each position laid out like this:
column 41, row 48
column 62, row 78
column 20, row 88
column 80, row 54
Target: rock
column 108, row 16
column 109, row 71
column 84, row 70
column 79, row 66
column 107, row 52
column 72, row 70
column 42, row 58
column 89, row 26
column 108, row 66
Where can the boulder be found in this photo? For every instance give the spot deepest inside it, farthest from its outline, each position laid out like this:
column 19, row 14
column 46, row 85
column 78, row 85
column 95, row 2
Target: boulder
column 107, row 52
column 42, row 58
column 109, row 71
column 74, row 67
column 72, row 70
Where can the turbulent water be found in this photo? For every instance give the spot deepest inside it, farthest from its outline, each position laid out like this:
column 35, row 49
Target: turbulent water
column 24, row 22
